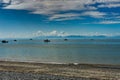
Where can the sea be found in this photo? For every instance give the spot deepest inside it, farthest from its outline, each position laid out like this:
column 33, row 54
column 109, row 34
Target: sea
column 82, row 51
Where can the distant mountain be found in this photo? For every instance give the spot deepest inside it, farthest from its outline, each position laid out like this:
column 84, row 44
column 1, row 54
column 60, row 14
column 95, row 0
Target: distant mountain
column 116, row 37
column 80, row 37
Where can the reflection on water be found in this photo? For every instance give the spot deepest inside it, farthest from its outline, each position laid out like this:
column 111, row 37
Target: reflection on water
column 71, row 51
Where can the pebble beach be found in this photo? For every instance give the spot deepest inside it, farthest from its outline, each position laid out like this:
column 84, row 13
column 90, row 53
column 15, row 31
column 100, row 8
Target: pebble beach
column 47, row 71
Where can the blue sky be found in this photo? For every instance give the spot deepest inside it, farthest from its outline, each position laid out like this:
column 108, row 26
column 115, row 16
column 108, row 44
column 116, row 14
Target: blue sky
column 28, row 18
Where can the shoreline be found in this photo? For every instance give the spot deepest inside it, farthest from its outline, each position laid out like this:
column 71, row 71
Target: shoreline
column 74, row 71
column 38, row 62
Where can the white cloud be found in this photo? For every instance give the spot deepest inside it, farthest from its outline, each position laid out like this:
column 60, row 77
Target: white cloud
column 107, row 1
column 4, row 1
column 111, row 5
column 34, row 34
column 110, row 22
column 16, row 35
column 95, row 14
column 48, row 6
column 71, row 16
column 107, row 22
column 52, row 33
column 66, row 16
column 52, row 8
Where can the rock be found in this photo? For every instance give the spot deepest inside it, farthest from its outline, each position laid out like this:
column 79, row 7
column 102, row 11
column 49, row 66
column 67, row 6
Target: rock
column 31, row 39
column 65, row 39
column 15, row 40
column 4, row 41
column 46, row 40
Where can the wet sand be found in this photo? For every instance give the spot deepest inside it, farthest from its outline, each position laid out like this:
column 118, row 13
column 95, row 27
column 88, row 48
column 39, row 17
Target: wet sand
column 46, row 71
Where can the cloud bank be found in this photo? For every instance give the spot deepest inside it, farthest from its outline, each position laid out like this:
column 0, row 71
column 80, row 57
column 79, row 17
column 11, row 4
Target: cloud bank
column 38, row 33
column 54, row 33
column 51, row 33
column 61, row 10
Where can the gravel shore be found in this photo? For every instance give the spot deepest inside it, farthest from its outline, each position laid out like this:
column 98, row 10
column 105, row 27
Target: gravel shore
column 31, row 76
column 42, row 71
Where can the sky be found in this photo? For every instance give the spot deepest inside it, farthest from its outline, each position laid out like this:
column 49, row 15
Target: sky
column 30, row 18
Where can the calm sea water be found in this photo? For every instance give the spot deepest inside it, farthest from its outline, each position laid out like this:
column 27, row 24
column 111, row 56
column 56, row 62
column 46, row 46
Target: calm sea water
column 101, row 51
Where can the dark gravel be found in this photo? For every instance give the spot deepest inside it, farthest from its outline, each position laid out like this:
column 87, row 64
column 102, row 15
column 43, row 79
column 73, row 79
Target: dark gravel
column 30, row 76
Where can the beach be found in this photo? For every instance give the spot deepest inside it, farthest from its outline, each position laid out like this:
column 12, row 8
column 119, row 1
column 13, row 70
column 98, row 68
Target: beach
column 10, row 70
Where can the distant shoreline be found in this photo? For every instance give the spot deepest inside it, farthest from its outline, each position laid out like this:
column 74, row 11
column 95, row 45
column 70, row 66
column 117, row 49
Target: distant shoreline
column 38, row 62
